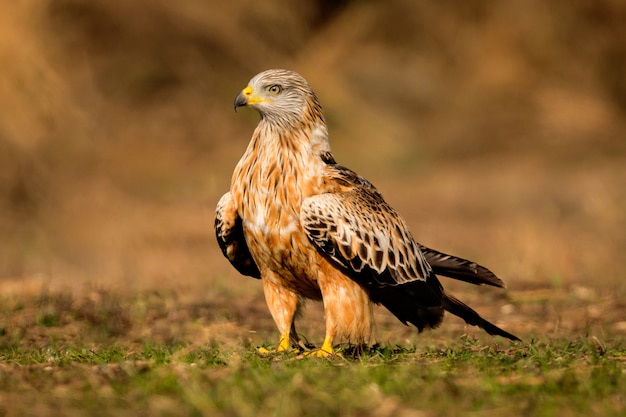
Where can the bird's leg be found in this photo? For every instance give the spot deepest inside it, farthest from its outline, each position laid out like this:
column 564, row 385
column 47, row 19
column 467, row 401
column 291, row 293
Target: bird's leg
column 326, row 349
column 347, row 309
column 283, row 305
column 331, row 331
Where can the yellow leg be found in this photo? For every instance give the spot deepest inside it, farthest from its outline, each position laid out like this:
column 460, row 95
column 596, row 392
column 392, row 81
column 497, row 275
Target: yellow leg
column 283, row 305
column 347, row 308
column 327, row 348
column 284, row 342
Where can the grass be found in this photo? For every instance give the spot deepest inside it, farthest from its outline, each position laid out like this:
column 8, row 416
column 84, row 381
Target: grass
column 60, row 356
column 541, row 378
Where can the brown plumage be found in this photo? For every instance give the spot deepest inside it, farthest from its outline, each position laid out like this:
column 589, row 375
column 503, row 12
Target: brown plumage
column 310, row 228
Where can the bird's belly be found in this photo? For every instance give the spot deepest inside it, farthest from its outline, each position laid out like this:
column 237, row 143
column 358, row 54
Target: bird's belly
column 278, row 243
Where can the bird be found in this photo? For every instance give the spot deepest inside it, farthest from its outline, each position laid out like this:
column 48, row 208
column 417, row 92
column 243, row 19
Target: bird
column 310, row 228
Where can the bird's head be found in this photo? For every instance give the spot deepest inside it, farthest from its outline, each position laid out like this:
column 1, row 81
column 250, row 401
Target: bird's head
column 280, row 96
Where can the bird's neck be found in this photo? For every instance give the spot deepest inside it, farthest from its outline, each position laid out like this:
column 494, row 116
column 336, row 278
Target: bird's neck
column 300, row 145
column 281, row 159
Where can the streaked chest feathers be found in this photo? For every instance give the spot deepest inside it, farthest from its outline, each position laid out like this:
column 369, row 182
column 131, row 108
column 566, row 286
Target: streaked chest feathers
column 269, row 184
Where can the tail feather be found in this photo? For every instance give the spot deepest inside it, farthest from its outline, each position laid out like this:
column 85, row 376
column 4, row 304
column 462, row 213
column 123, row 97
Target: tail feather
column 403, row 303
column 459, row 268
column 462, row 310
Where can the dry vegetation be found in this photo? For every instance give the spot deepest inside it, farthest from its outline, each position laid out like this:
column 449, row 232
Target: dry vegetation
column 497, row 130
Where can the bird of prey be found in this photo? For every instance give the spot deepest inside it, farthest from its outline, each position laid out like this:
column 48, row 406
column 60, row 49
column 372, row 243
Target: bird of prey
column 310, row 228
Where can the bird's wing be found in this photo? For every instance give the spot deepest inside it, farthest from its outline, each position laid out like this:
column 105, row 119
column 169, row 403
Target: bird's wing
column 371, row 243
column 230, row 238
column 459, row 268
column 367, row 238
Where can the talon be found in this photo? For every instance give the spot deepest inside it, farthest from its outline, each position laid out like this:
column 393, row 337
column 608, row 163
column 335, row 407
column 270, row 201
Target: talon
column 284, row 346
column 325, row 351
column 265, row 351
column 321, row 353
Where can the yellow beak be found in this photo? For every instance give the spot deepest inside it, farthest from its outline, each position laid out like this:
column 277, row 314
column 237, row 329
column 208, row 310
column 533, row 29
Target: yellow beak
column 246, row 97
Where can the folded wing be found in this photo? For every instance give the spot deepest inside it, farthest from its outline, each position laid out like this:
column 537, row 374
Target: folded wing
column 230, row 238
column 371, row 243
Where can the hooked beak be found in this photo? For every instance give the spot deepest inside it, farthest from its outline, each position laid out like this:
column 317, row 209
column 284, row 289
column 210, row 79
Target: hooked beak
column 243, row 98
column 246, row 98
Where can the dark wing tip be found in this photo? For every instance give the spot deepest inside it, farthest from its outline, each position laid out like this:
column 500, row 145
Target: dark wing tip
column 460, row 269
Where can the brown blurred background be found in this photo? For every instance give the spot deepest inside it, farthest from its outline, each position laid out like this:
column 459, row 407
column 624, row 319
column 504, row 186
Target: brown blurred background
column 498, row 129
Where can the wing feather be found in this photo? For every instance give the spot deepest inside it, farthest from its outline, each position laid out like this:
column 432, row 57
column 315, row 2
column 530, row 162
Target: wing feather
column 373, row 245
column 230, row 238
column 362, row 233
column 459, row 268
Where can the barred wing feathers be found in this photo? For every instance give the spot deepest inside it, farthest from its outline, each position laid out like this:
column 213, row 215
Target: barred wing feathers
column 371, row 243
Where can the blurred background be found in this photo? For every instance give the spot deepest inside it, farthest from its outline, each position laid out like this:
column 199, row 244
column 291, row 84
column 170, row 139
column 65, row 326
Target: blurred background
column 498, row 129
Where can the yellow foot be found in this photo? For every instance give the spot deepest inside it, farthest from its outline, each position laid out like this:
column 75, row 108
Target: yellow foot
column 321, row 353
column 325, row 351
column 265, row 351
column 283, row 346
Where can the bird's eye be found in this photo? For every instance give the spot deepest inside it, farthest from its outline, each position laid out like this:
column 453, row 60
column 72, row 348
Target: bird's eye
column 274, row 89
